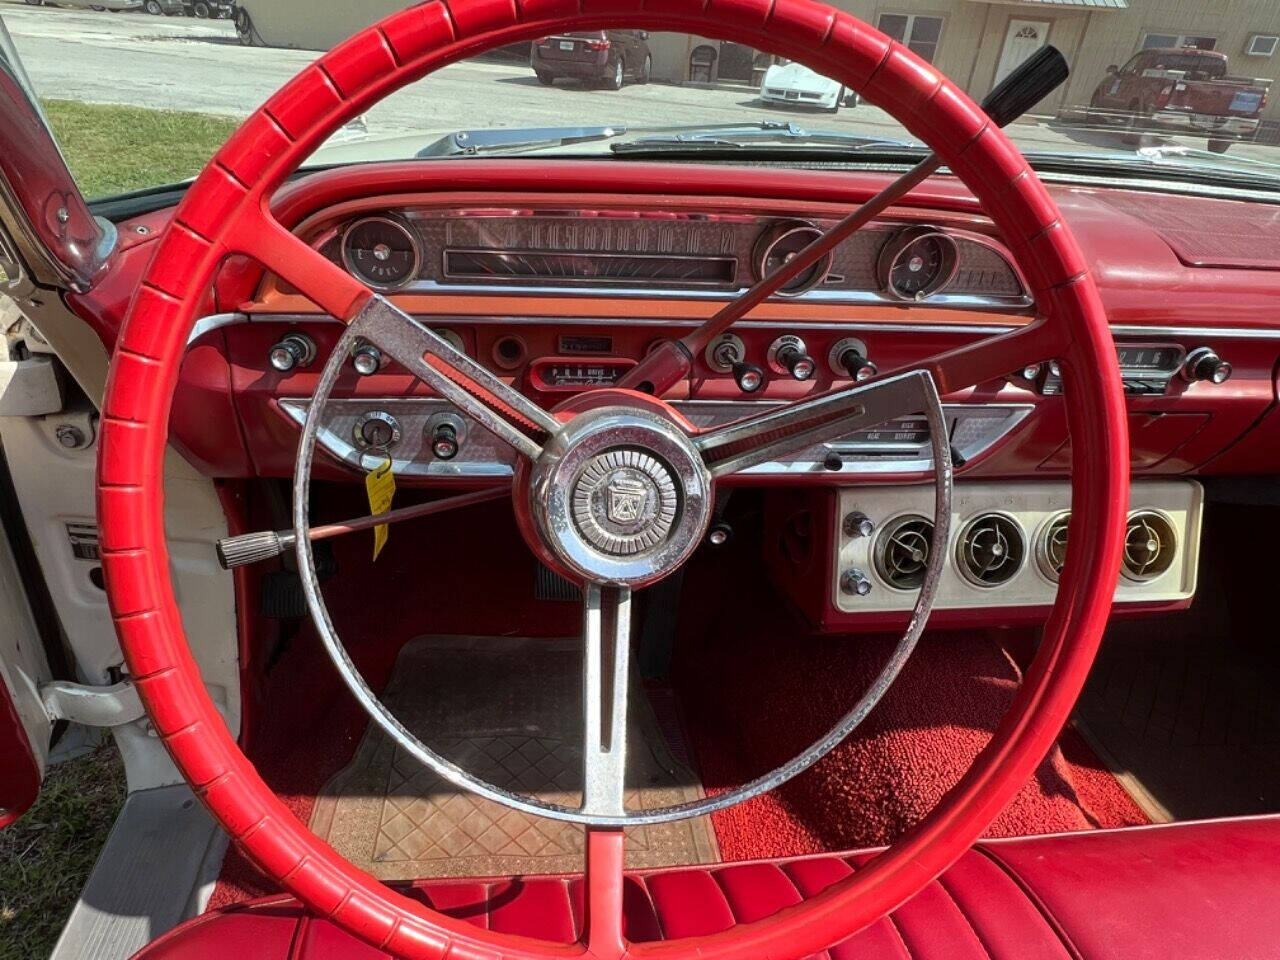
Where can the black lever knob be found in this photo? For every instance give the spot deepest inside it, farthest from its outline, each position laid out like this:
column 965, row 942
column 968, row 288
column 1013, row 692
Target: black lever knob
column 1026, row 85
column 856, row 365
column 796, row 362
column 748, row 376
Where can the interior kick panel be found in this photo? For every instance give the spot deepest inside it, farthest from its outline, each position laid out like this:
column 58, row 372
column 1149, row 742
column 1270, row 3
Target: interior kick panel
column 1006, row 545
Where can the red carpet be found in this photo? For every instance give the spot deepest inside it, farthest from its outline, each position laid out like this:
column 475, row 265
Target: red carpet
column 771, row 696
column 753, row 688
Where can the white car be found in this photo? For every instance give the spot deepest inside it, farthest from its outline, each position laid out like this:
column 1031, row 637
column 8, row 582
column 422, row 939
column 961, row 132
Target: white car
column 794, row 83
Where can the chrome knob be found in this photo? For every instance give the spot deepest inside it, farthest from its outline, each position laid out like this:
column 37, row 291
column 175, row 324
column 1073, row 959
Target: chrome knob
column 748, row 376
column 1203, row 363
column 855, row 583
column 293, row 350
column 796, row 362
column 788, row 355
column 858, row 524
column 366, row 358
column 444, row 441
column 377, row 430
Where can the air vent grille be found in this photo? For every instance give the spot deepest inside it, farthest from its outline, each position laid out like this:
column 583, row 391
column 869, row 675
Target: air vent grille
column 1150, row 545
column 990, row 550
column 1051, row 552
column 902, row 551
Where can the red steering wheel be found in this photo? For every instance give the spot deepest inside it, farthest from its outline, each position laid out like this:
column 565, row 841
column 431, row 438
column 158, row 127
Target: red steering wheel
column 226, row 212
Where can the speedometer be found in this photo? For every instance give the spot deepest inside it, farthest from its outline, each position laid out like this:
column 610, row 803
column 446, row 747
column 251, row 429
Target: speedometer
column 381, row 251
column 916, row 263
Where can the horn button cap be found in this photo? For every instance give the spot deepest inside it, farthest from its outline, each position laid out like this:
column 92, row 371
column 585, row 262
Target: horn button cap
column 620, row 495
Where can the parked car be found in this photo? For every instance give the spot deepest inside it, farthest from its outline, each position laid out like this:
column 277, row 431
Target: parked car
column 209, row 9
column 606, row 57
column 1182, row 88
column 794, row 84
column 169, row 8
column 96, row 5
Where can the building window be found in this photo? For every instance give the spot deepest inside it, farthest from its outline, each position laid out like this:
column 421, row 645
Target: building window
column 919, row 34
column 1262, row 45
column 1163, row 40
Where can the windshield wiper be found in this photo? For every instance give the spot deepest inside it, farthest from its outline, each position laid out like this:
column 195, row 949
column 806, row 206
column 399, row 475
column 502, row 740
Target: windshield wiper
column 473, row 142
column 749, row 136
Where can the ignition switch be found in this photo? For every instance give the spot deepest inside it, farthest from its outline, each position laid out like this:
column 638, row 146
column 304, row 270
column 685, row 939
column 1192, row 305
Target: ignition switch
column 377, row 430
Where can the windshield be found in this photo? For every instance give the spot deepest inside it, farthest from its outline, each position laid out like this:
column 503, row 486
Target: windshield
column 140, row 94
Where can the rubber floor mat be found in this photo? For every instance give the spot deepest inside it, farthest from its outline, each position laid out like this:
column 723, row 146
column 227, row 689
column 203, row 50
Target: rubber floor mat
column 1187, row 718
column 508, row 710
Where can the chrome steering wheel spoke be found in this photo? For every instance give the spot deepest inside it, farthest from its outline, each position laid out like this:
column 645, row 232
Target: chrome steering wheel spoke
column 606, row 636
column 499, row 408
column 756, row 440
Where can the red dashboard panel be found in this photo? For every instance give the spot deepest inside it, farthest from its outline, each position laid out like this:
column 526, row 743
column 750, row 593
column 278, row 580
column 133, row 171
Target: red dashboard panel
column 228, row 420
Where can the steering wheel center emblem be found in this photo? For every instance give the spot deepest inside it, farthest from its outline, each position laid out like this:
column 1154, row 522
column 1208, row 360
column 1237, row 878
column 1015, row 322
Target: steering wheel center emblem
column 624, row 502
column 627, row 497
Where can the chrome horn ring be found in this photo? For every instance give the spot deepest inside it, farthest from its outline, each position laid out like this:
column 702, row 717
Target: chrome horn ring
column 648, row 429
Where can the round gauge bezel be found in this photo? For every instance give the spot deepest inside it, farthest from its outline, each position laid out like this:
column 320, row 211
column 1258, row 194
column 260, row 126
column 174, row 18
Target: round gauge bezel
column 398, row 224
column 775, row 235
column 899, row 244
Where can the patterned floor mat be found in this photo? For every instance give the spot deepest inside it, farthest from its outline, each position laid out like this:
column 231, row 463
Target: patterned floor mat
column 508, row 710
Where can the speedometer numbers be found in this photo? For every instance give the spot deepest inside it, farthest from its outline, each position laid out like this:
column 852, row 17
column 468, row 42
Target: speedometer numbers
column 916, row 263
column 381, row 251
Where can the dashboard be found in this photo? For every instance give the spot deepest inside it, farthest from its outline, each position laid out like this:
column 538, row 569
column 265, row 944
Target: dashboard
column 564, row 282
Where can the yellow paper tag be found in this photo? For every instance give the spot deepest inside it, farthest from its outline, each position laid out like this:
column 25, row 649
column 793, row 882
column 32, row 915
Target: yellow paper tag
column 381, row 487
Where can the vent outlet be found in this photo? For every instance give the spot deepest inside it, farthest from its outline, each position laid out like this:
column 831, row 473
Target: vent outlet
column 902, row 551
column 1051, row 551
column 1150, row 545
column 990, row 550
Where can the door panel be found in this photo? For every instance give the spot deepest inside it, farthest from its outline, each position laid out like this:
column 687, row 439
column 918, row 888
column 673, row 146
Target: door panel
column 24, row 725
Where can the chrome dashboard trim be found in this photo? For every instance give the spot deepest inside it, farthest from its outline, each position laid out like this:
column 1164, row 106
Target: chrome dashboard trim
column 214, row 321
column 862, row 459
column 844, row 297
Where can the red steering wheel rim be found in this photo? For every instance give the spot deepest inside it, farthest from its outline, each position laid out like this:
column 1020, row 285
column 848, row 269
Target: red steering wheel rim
column 226, row 211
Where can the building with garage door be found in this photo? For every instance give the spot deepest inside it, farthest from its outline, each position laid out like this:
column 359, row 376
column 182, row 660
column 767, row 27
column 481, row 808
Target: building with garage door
column 976, row 42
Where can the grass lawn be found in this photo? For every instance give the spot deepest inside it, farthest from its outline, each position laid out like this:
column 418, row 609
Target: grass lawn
column 113, row 149
column 46, row 856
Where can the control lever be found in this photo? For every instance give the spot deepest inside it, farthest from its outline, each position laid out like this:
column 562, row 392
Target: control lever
column 264, row 544
column 1022, row 89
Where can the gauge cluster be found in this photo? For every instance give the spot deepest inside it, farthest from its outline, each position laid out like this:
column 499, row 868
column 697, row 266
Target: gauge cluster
column 668, row 253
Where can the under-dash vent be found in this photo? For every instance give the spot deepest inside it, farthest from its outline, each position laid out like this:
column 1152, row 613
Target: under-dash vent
column 990, row 550
column 1051, row 551
column 1150, row 545
column 902, row 551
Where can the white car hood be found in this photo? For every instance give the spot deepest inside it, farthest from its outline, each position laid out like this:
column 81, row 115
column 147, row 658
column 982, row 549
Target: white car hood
column 796, row 76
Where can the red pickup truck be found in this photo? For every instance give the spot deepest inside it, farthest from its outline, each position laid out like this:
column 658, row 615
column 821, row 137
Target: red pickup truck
column 1182, row 88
